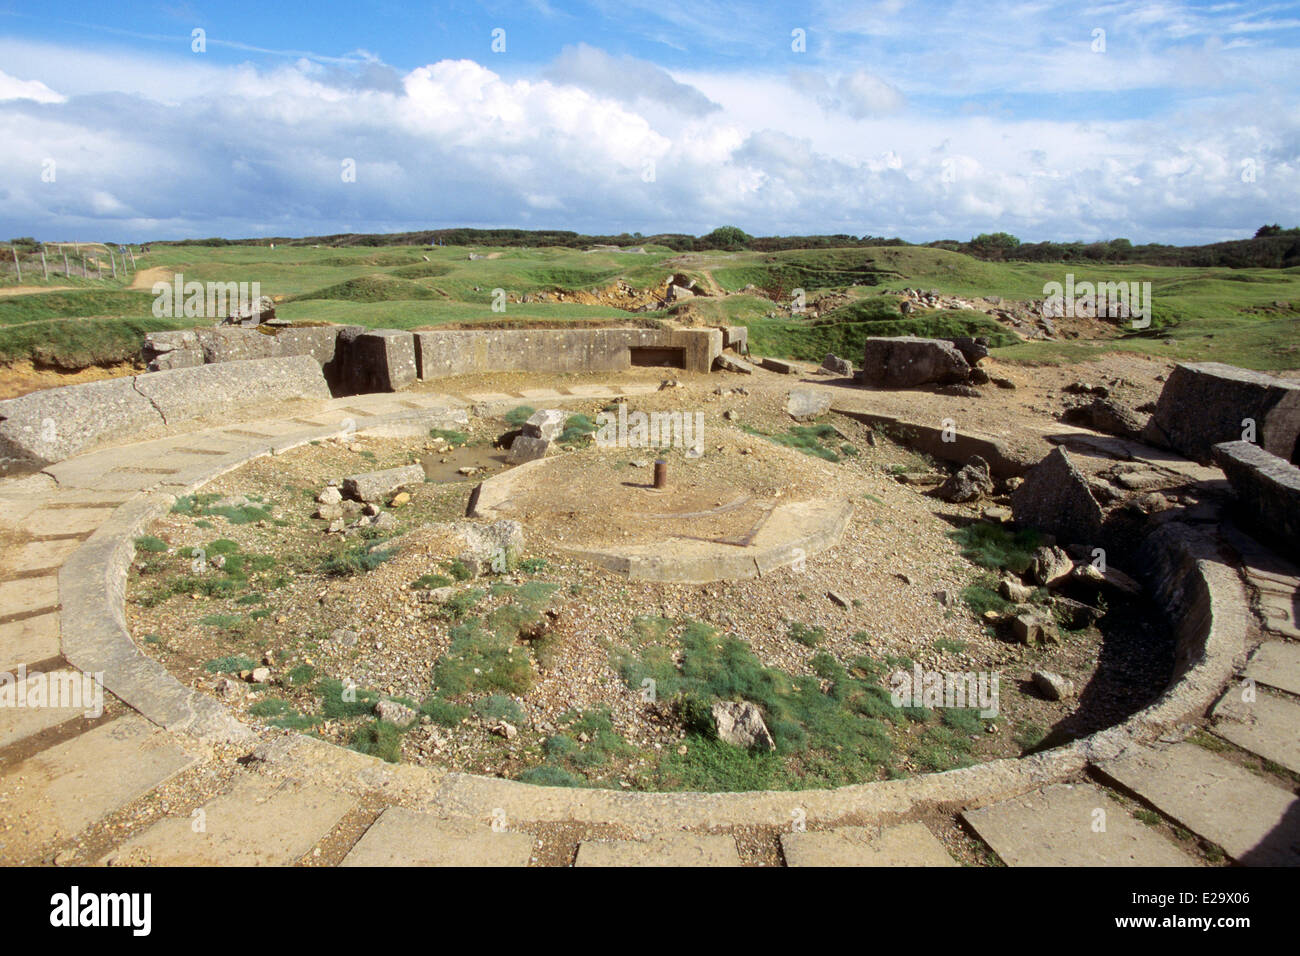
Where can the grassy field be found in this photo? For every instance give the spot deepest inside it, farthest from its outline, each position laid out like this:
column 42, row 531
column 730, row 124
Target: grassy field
column 1197, row 314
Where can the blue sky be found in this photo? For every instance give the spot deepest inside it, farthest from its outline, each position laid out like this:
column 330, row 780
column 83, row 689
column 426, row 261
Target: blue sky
column 1162, row 121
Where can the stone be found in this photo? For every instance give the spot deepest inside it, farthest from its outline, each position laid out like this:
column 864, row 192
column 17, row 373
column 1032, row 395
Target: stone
column 225, row 687
column 328, row 512
column 1057, row 827
column 663, row 849
column 910, row 844
column 344, row 637
column 1205, row 404
column 778, row 366
column 490, row 547
column 261, row 309
column 804, row 404
column 732, row 363
column 395, row 713
column 1112, row 578
column 1106, row 415
column 740, row 723
column 505, row 729
column 330, row 496
column 1253, row 820
column 43, row 427
column 1014, row 590
column 374, row 486
column 973, row 350
column 546, row 424
column 970, row 483
column 58, row 792
column 258, row 822
column 1053, row 686
column 400, row 499
column 527, row 448
column 840, row 599
column 259, row 675
column 1267, row 490
column 1277, row 664
column 906, row 362
column 1049, row 565
column 1033, row 628
column 1265, row 725
column 211, row 391
column 1055, row 498
column 1074, row 613
column 402, row 837
column 834, row 365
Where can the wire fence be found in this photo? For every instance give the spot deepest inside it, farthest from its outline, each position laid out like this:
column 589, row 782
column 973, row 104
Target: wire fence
column 41, row 262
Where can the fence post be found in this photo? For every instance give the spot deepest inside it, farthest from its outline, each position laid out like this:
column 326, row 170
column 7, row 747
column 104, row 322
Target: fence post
column 44, row 267
column 133, row 266
column 67, row 273
column 112, row 262
column 18, row 268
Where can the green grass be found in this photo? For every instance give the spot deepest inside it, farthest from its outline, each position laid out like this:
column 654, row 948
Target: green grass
column 356, row 559
column 997, row 548
column 151, row 545
column 230, row 665
column 1198, row 313
column 830, row 727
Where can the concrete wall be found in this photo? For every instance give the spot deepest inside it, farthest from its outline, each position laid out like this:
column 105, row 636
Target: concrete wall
column 43, row 427
column 1204, row 404
column 1268, row 491
column 441, row 353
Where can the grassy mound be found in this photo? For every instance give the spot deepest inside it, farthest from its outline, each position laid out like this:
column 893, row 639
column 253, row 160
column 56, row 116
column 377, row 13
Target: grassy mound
column 372, row 288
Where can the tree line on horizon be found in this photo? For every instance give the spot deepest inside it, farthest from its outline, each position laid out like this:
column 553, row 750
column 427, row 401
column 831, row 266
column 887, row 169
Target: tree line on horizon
column 1272, row 246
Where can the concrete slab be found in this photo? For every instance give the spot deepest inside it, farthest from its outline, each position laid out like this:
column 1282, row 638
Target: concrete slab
column 61, row 791
column 909, row 845
column 54, row 708
column 258, row 822
column 1254, row 821
column 663, row 849
column 28, row 641
column 402, row 837
column 28, row 594
column 1068, row 825
column 1268, row 726
column 1277, row 664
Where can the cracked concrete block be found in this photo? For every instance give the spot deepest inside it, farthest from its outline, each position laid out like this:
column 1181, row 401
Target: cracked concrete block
column 43, row 427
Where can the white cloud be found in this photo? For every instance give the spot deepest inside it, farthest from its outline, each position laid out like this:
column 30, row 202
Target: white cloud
column 12, row 88
column 247, row 151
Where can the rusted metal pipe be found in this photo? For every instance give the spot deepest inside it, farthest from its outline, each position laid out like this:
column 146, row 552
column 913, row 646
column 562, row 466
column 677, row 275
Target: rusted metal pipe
column 661, row 474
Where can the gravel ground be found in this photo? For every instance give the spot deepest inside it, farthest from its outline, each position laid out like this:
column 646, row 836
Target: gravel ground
column 896, row 563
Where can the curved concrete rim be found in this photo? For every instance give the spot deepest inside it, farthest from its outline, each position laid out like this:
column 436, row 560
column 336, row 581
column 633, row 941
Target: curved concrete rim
column 92, row 590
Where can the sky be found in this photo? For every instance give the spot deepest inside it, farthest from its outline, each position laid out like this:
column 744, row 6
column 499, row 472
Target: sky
column 1163, row 121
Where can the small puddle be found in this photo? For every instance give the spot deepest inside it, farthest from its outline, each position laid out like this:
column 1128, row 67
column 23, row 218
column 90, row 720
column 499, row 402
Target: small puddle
column 443, row 467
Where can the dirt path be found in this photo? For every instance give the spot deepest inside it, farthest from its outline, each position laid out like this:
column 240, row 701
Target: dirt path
column 32, row 289
column 147, row 277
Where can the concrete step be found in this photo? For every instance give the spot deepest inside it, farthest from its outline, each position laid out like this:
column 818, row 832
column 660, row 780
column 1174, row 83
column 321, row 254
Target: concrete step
column 911, row 844
column 1256, row 822
column 1268, row 726
column 47, row 522
column 1071, row 825
column 663, row 849
column 42, row 701
column 29, row 640
column 257, row 822
column 402, row 837
column 1277, row 664
column 25, row 595
column 61, row 791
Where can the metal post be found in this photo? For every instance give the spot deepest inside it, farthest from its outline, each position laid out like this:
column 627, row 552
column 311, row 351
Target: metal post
column 661, row 474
